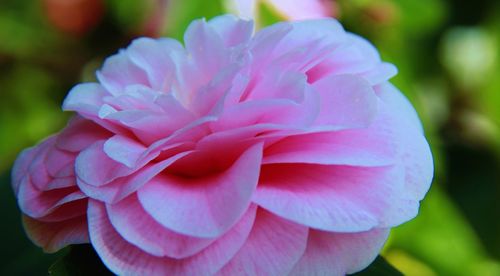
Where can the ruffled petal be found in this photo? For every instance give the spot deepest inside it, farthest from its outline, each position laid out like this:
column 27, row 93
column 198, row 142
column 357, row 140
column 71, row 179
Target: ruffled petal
column 124, row 258
column 232, row 30
column 121, row 187
column 79, row 134
column 136, row 226
column 36, row 203
column 206, row 206
column 331, row 253
column 118, row 72
column 53, row 236
column 347, row 101
column 336, row 198
column 273, row 248
column 154, row 56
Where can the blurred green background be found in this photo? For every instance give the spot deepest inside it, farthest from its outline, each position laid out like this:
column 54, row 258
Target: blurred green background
column 447, row 52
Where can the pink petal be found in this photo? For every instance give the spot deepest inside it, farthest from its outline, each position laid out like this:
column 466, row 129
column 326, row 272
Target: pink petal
column 323, row 31
column 233, row 30
column 124, row 258
column 85, row 98
column 331, row 253
column 398, row 103
column 38, row 170
column 154, row 56
column 336, row 198
column 79, row 134
column 373, row 146
column 206, row 47
column 121, row 187
column 204, row 207
column 118, row 72
column 136, row 226
column 356, row 56
column 21, row 166
column 413, row 149
column 264, row 43
column 124, row 150
column 238, row 138
column 60, row 163
column 52, row 236
column 95, row 167
column 347, row 101
column 276, row 84
column 273, row 248
column 380, row 73
column 36, row 203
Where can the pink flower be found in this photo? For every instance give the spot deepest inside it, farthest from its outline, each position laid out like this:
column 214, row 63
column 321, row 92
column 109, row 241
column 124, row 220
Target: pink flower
column 283, row 152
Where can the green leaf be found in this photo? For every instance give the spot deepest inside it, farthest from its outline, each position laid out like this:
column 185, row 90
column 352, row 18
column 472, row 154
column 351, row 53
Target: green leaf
column 181, row 13
column 379, row 267
column 80, row 260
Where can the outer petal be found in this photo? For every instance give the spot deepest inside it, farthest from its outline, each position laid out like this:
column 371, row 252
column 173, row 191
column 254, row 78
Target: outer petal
column 206, row 207
column 414, row 151
column 273, row 248
column 136, row 226
column 21, row 166
column 52, row 236
column 85, row 98
column 232, row 30
column 398, row 104
column 118, row 72
column 154, row 56
column 336, row 198
column 347, row 101
column 95, row 167
column 124, row 258
column 124, row 150
column 121, row 187
column 37, row 203
column 206, row 47
column 359, row 147
column 330, row 253
column 79, row 134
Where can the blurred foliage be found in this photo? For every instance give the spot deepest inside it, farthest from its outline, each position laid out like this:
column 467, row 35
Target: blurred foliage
column 447, row 52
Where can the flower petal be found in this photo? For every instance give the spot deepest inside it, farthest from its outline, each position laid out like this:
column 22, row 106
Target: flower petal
column 37, row 204
column 273, row 248
column 204, row 207
column 373, row 146
column 347, row 101
column 85, row 98
column 53, row 236
column 154, row 56
column 118, row 72
column 121, row 187
column 95, row 167
column 336, row 198
column 124, row 258
column 232, row 30
column 124, row 150
column 330, row 253
column 79, row 134
column 136, row 226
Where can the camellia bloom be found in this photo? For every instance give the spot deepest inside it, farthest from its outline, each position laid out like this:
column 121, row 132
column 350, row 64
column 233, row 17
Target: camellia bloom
column 275, row 153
